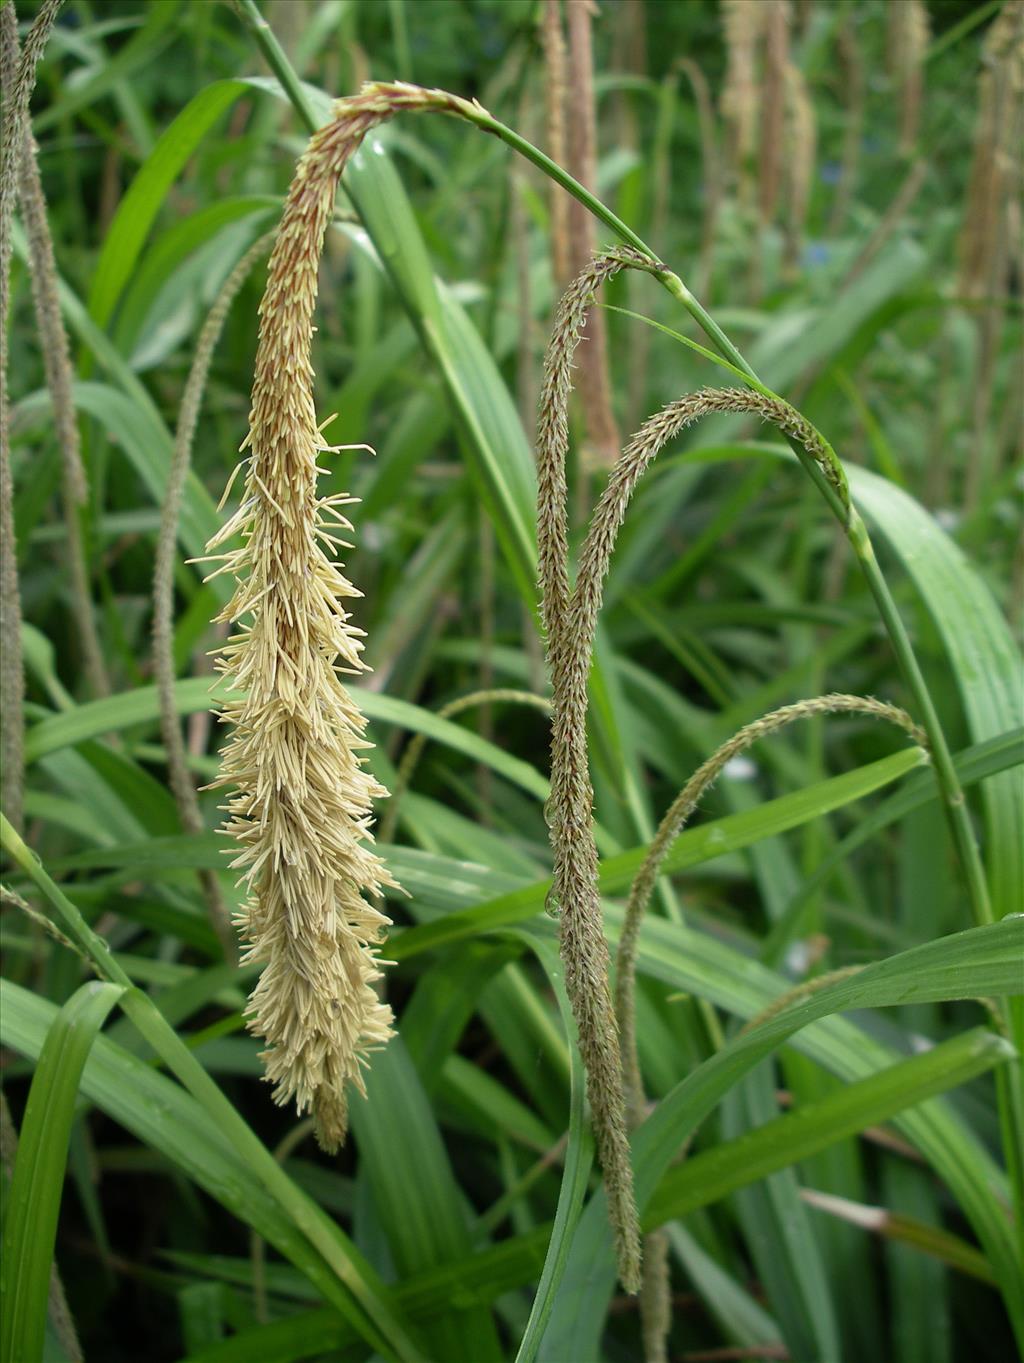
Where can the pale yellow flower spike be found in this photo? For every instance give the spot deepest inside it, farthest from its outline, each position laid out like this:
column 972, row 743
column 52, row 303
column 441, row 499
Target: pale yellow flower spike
column 301, row 808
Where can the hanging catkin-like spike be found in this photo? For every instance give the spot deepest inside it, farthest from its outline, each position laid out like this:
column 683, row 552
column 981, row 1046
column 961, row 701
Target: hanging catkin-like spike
column 801, row 145
column 553, row 39
column 300, row 811
column 908, row 43
column 996, row 161
column 574, row 895
column 743, row 24
column 772, row 113
column 18, row 79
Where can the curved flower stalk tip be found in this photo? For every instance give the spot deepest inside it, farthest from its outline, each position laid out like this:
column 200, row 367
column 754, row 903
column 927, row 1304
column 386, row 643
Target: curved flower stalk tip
column 675, row 821
column 301, row 810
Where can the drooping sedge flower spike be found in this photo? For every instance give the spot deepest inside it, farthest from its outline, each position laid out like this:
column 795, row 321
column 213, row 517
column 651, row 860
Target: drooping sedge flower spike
column 300, row 810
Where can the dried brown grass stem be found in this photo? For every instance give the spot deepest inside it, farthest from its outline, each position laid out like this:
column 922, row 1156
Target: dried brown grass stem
column 908, row 35
column 990, row 250
column 853, row 84
column 996, row 160
column 18, row 78
column 602, row 444
column 801, row 147
column 59, row 379
column 889, row 222
column 711, row 164
column 553, row 38
column 581, row 110
column 742, row 24
column 772, row 106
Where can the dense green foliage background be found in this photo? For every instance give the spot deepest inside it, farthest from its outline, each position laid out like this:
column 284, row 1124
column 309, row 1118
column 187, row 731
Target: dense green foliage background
column 731, row 592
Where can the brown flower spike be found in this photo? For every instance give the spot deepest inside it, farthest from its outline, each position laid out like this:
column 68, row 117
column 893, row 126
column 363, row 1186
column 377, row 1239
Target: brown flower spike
column 301, row 808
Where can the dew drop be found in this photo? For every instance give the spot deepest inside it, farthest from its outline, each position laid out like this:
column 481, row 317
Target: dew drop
column 552, row 904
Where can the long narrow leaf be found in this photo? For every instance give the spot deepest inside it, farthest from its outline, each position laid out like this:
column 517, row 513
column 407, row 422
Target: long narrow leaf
column 30, row 1224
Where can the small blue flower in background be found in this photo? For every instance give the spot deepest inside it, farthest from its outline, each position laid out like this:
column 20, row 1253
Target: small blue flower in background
column 816, row 253
column 830, row 172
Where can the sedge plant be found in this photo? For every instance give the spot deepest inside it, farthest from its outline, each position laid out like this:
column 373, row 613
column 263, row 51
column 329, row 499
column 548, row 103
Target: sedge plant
column 583, row 945
column 301, row 782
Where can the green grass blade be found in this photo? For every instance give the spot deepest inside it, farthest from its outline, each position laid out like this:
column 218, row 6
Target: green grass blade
column 379, row 1322
column 921, row 1325
column 140, row 49
column 979, row 962
column 307, row 1334
column 325, row 1251
column 162, row 258
column 908, row 1231
column 787, row 1140
column 137, row 211
column 974, row 764
column 170, row 1120
column 694, row 847
column 985, row 663
column 415, row 1194
column 575, row 1175
column 140, row 706
column 741, row 1318
column 148, row 445
column 30, row 1224
column 786, row 1252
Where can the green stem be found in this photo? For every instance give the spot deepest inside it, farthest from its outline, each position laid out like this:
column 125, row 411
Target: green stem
column 966, row 25
column 707, row 323
column 277, row 59
column 74, row 924
column 945, row 772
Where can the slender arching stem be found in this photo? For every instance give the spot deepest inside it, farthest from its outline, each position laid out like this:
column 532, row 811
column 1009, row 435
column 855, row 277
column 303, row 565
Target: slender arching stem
column 953, row 798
